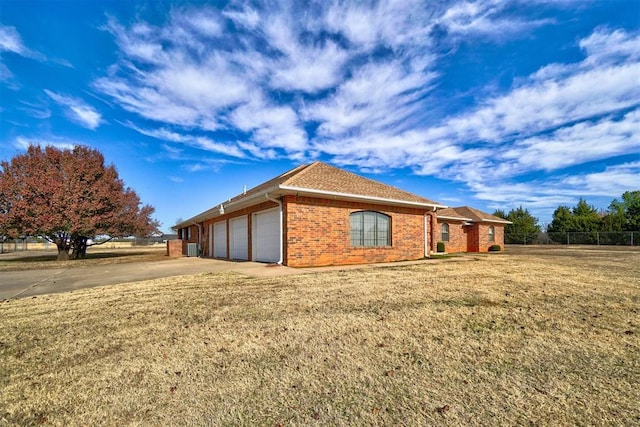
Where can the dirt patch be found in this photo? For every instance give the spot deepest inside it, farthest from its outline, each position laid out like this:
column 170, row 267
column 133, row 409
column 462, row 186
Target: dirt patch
column 508, row 339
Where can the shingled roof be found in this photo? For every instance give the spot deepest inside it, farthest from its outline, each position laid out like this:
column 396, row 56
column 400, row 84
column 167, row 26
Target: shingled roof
column 321, row 180
column 466, row 213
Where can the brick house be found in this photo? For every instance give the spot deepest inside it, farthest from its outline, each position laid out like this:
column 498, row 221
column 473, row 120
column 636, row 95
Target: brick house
column 316, row 215
column 465, row 229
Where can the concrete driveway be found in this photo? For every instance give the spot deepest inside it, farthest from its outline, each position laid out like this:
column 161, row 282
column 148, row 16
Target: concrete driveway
column 20, row 284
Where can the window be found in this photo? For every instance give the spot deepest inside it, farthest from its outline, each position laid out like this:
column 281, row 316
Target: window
column 492, row 234
column 370, row 229
column 444, row 232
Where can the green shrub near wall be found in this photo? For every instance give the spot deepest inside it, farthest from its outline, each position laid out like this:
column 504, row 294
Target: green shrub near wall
column 495, row 248
column 440, row 246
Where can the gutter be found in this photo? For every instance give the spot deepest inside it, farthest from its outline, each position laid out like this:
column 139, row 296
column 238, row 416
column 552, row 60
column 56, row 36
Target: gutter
column 279, row 202
column 455, row 218
column 426, row 239
column 359, row 197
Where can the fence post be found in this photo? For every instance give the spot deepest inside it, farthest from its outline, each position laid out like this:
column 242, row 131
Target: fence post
column 598, row 237
column 567, row 237
column 632, row 238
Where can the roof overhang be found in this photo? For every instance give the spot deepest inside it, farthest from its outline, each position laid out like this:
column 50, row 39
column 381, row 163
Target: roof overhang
column 357, row 197
column 282, row 190
column 455, row 218
column 496, row 221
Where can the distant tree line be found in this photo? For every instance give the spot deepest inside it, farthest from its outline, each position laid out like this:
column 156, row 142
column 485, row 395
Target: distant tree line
column 524, row 227
column 621, row 216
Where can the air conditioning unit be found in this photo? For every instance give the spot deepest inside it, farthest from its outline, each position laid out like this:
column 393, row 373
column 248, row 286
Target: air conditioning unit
column 192, row 249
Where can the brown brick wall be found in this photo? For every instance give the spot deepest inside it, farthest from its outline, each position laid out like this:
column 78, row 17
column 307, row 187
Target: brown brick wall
column 471, row 238
column 318, row 233
column 174, row 248
column 483, row 237
column 458, row 237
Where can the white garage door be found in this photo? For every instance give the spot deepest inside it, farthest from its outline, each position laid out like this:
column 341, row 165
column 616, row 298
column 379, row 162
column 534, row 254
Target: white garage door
column 220, row 239
column 239, row 238
column 266, row 236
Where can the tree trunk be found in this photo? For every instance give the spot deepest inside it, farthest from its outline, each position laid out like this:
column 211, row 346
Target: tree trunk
column 63, row 253
column 79, row 247
column 62, row 243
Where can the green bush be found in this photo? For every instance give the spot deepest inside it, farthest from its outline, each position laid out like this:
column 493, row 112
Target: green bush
column 495, row 248
column 440, row 246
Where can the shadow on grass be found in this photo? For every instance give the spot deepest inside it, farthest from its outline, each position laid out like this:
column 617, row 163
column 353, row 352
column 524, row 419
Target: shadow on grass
column 53, row 257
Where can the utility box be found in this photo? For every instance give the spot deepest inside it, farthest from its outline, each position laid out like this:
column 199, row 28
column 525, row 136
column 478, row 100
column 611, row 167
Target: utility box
column 192, row 249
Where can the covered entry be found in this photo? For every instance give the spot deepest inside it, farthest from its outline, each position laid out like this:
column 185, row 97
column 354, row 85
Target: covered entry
column 266, row 236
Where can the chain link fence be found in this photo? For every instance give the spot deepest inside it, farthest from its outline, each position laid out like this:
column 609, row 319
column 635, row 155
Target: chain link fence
column 38, row 244
column 611, row 238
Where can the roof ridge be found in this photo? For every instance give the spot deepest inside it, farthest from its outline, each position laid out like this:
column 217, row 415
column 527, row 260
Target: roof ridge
column 304, row 168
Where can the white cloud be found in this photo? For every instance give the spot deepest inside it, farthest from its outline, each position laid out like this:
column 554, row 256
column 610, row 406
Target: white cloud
column 379, row 95
column 605, row 46
column 204, row 21
column 310, row 69
column 35, row 110
column 10, row 41
column 270, row 126
column 23, row 143
column 577, row 144
column 482, row 18
column 355, row 82
column 244, row 17
column 614, row 180
column 200, row 142
column 77, row 110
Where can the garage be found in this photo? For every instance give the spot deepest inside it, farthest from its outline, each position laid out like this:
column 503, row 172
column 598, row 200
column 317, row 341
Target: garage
column 266, row 236
column 239, row 238
column 220, row 239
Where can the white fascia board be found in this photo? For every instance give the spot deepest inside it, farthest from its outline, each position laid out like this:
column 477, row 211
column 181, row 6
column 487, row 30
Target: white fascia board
column 228, row 207
column 455, row 218
column 358, row 197
column 496, row 221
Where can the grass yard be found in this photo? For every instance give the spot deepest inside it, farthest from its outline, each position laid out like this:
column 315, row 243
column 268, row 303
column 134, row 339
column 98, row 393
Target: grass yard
column 548, row 338
column 34, row 260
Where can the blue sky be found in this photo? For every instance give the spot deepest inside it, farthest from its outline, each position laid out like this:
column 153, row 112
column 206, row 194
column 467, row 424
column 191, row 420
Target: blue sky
column 488, row 103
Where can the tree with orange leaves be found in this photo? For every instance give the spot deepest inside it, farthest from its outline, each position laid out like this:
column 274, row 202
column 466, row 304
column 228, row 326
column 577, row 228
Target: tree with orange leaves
column 68, row 196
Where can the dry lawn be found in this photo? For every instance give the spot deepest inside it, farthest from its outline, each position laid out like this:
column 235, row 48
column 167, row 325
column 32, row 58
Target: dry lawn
column 506, row 339
column 36, row 260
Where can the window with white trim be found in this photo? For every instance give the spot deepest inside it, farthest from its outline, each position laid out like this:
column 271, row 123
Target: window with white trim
column 492, row 234
column 369, row 228
column 444, row 232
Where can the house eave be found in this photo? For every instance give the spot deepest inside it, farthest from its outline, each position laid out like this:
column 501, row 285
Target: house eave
column 455, row 218
column 281, row 190
column 496, row 221
column 356, row 197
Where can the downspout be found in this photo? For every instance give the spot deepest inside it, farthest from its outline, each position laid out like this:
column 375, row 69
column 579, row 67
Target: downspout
column 199, row 239
column 426, row 236
column 279, row 202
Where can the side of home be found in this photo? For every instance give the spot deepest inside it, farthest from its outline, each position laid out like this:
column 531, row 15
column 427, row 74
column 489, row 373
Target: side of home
column 316, row 215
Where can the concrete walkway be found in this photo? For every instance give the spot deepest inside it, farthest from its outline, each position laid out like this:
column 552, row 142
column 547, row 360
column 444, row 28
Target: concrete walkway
column 21, row 284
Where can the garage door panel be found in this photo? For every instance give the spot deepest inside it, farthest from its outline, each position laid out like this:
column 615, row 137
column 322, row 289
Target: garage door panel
column 239, row 238
column 266, row 236
column 220, row 239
